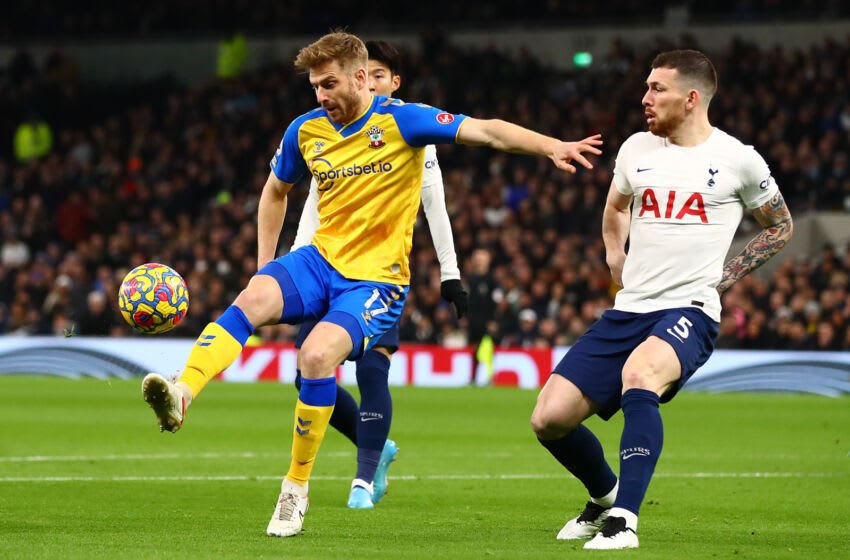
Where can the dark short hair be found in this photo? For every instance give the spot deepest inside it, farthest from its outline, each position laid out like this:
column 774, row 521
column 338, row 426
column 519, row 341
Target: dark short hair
column 691, row 65
column 386, row 54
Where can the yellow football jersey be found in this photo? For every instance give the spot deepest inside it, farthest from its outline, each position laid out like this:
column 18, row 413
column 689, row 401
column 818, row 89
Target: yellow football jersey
column 369, row 176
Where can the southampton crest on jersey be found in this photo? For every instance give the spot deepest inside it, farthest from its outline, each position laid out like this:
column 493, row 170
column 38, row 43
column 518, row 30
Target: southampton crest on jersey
column 376, row 137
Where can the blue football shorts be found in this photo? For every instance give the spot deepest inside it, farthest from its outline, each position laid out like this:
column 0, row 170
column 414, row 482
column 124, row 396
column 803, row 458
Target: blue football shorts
column 365, row 309
column 595, row 362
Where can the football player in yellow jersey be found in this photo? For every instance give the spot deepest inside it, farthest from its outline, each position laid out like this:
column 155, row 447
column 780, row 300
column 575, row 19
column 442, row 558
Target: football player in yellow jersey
column 367, row 423
column 366, row 153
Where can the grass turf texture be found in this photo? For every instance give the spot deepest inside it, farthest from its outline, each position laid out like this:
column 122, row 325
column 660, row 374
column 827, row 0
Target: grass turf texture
column 741, row 475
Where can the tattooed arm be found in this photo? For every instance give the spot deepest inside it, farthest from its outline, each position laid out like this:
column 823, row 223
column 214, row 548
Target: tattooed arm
column 778, row 227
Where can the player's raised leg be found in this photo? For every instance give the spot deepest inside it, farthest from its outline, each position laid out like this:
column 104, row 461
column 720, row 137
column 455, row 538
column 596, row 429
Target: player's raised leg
column 556, row 420
column 217, row 347
column 326, row 347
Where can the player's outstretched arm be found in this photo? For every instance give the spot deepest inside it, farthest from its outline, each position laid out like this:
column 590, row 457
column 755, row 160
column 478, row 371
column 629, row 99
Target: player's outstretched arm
column 270, row 214
column 775, row 218
column 434, row 204
column 616, row 219
column 509, row 137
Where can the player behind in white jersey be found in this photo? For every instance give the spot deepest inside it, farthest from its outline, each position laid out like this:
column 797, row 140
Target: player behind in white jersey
column 678, row 195
column 368, row 425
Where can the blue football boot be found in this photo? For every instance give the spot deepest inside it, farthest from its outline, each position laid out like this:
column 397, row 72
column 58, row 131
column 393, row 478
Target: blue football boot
column 388, row 455
column 360, row 497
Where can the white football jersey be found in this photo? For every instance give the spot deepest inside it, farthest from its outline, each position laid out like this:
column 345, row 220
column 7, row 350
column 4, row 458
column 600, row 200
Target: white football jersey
column 688, row 203
column 433, row 202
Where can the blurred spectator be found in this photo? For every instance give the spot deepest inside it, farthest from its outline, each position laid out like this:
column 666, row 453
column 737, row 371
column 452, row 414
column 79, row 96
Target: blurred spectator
column 482, row 308
column 33, row 139
column 97, row 319
column 232, row 53
column 527, row 334
column 74, row 219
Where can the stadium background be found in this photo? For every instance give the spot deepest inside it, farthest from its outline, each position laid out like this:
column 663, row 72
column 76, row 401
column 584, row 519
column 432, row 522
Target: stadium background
column 157, row 150
column 154, row 158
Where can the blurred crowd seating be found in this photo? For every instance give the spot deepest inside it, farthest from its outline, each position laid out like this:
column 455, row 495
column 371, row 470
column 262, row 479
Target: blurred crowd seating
column 137, row 18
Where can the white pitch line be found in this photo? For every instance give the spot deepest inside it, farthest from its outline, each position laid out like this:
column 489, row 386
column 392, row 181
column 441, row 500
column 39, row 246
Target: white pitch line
column 539, row 476
column 152, row 457
column 199, row 455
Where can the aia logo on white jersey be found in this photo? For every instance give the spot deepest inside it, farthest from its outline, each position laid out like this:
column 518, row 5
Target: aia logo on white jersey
column 673, row 206
column 445, row 118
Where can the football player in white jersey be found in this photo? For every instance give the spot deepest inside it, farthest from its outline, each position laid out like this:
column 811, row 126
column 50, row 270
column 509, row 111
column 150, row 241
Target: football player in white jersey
column 368, row 424
column 678, row 195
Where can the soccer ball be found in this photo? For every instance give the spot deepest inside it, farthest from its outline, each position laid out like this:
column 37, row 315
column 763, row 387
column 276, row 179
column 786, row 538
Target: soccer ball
column 153, row 298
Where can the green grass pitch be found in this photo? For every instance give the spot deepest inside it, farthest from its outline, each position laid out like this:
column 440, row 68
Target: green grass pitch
column 84, row 473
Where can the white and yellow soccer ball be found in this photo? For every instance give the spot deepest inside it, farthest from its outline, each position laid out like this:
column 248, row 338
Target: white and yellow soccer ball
column 153, row 298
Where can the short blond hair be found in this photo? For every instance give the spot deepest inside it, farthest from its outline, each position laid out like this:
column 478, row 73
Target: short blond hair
column 346, row 49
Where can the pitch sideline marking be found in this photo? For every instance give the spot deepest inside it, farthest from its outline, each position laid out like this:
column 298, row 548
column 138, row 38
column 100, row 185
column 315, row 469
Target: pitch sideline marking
column 246, row 478
column 151, row 457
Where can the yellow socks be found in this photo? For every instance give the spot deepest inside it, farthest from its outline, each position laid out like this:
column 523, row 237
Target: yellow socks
column 312, row 415
column 217, row 347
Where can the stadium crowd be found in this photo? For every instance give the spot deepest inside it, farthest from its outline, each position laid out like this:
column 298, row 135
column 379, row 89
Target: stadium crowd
column 137, row 18
column 162, row 173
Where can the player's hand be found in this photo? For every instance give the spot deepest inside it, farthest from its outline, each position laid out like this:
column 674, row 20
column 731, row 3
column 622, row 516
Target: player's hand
column 567, row 152
column 453, row 292
column 615, row 263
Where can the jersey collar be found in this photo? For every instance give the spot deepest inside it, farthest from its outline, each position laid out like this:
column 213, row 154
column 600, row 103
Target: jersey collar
column 346, row 130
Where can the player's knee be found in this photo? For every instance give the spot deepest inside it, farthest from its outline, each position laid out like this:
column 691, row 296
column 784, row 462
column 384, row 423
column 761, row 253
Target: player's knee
column 317, row 361
column 261, row 301
column 546, row 425
column 642, row 379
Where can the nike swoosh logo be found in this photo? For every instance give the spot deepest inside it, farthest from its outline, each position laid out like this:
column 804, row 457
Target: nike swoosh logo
column 639, row 170
column 633, row 454
column 369, row 419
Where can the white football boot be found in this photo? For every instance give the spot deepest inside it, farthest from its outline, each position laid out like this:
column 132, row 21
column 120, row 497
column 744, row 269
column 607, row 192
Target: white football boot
column 166, row 400
column 586, row 525
column 615, row 534
column 292, row 505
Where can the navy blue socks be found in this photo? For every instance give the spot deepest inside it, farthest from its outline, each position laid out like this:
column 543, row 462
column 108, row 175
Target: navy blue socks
column 640, row 446
column 376, row 410
column 581, row 453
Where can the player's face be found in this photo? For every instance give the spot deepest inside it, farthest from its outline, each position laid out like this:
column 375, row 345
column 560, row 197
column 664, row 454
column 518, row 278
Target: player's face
column 664, row 104
column 337, row 91
column 381, row 80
